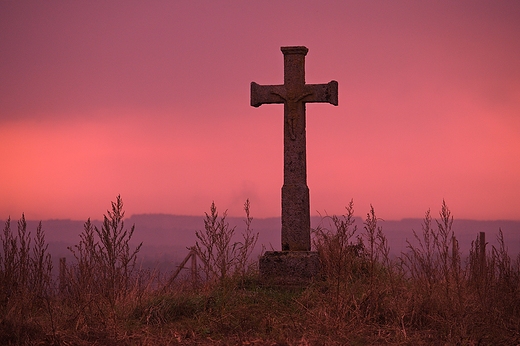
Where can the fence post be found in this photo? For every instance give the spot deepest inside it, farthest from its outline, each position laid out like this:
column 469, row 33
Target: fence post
column 455, row 255
column 482, row 254
column 194, row 276
column 192, row 254
column 63, row 274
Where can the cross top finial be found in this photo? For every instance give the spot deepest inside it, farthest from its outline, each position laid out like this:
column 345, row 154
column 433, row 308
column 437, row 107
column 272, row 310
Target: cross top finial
column 294, row 50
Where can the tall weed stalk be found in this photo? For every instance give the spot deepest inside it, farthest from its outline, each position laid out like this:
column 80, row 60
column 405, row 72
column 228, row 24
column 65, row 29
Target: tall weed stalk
column 25, row 279
column 103, row 273
column 338, row 248
column 223, row 257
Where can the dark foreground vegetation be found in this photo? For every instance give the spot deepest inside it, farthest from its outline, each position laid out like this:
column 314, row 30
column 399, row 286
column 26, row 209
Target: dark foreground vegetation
column 430, row 294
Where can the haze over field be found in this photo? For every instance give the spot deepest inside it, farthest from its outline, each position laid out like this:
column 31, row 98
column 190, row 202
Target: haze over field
column 166, row 237
column 150, row 100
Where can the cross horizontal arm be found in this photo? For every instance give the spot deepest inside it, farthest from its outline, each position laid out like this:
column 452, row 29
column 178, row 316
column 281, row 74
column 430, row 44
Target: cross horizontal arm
column 263, row 94
column 322, row 93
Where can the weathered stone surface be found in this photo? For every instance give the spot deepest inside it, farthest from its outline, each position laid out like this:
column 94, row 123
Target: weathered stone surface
column 294, row 94
column 296, row 263
column 289, row 267
column 296, row 206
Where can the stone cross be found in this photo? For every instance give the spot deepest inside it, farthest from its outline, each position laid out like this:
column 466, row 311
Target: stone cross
column 294, row 94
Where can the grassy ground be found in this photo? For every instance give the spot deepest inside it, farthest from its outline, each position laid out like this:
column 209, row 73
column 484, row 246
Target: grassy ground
column 431, row 294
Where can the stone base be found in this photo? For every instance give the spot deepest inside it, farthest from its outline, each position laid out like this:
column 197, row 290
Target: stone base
column 289, row 267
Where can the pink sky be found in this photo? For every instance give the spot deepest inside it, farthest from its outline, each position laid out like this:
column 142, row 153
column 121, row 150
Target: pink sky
column 150, row 100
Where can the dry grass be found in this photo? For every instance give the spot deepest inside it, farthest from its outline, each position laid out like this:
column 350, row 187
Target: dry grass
column 221, row 255
column 431, row 294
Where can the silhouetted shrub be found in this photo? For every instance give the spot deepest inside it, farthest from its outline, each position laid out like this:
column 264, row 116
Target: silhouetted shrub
column 222, row 256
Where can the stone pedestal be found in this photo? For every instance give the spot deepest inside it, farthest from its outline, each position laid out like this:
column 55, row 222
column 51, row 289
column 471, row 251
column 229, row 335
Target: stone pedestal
column 289, row 267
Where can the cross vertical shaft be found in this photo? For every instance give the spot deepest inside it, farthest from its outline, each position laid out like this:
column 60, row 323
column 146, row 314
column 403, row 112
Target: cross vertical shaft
column 294, row 93
column 296, row 219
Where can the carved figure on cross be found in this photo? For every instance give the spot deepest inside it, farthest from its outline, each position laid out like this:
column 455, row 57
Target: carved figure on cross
column 294, row 94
